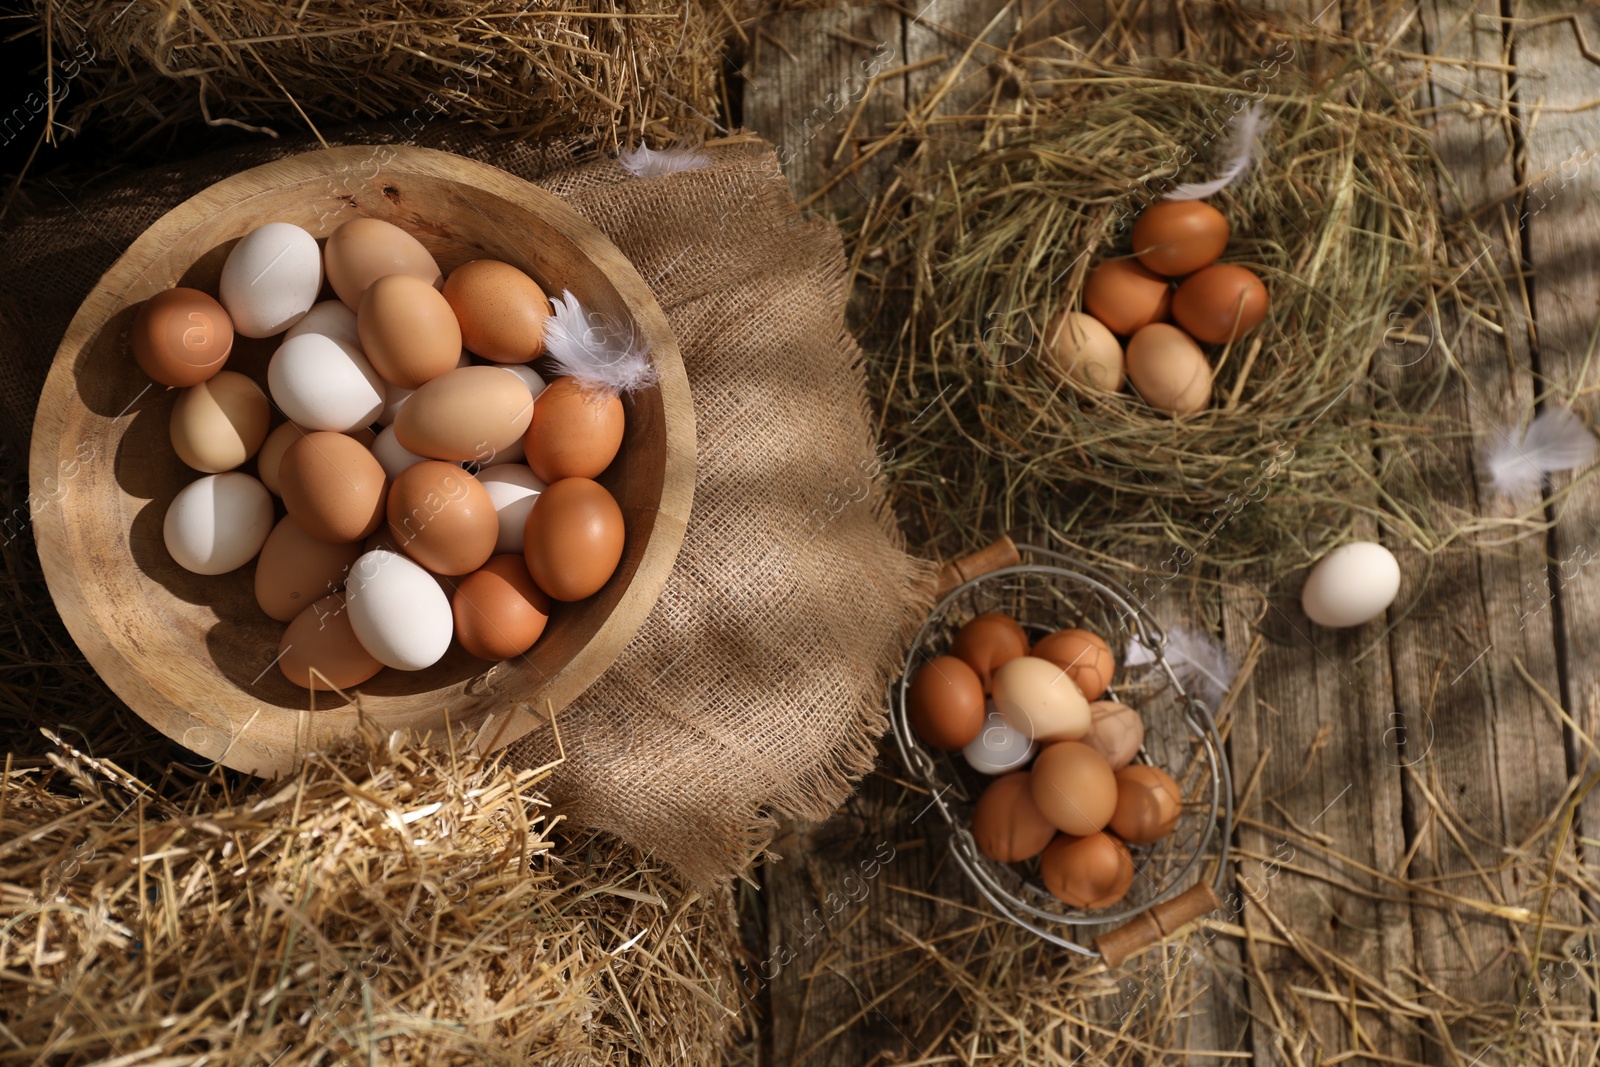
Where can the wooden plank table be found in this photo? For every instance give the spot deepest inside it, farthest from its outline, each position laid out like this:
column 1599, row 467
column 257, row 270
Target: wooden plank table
column 1436, row 754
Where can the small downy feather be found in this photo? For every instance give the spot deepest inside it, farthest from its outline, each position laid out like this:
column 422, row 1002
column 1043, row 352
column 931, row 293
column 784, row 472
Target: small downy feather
column 1556, row 440
column 596, row 349
column 1241, row 151
column 1198, row 659
column 646, row 162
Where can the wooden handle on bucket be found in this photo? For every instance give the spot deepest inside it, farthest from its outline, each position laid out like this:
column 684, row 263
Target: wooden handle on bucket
column 991, row 557
column 1160, row 922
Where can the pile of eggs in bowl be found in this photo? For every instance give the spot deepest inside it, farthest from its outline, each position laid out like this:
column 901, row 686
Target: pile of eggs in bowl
column 427, row 497
column 1214, row 303
column 1067, row 789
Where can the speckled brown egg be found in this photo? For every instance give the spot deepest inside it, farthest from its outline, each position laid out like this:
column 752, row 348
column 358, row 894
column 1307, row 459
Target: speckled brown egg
column 1089, row 872
column 575, row 432
column 332, row 486
column 1126, row 296
column 573, row 539
column 1220, row 304
column 295, row 569
column 1074, row 787
column 363, row 250
column 944, row 703
column 408, row 332
column 499, row 610
column 1084, row 656
column 469, row 413
column 181, row 337
column 989, row 642
column 1148, row 804
column 442, row 517
column 219, row 423
column 1178, row 237
column 1115, row 731
column 1007, row 825
column 1168, row 370
column 319, row 650
column 501, row 310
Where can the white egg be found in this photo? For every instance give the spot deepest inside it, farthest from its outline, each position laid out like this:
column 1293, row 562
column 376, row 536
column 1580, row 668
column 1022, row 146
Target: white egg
column 331, row 319
column 398, row 611
column 512, row 488
column 219, row 523
column 527, row 374
column 393, row 397
column 321, row 383
column 998, row 749
column 391, row 454
column 1353, row 584
column 270, row 279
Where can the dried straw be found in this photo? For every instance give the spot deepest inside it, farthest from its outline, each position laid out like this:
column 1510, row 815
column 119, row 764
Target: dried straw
column 396, row 901
column 990, row 229
column 616, row 73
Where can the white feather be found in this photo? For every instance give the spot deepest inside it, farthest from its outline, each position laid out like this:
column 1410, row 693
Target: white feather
column 1198, row 659
column 646, row 162
column 1556, row 440
column 1241, row 151
column 596, row 349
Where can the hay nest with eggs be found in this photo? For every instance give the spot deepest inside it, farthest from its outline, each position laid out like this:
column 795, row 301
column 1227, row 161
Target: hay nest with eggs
column 397, row 901
column 991, row 229
column 615, row 74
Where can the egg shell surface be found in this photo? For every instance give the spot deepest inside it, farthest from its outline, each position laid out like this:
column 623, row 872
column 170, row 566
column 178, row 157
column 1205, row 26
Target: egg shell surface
column 1085, row 351
column 573, row 538
column 1040, row 699
column 1352, row 585
column 363, row 250
column 270, row 279
column 502, row 311
column 219, row 423
column 944, row 703
column 1220, row 304
column 320, row 650
column 218, row 523
column 500, row 612
column 1083, row 655
column 408, row 332
column 1074, row 787
column 998, row 748
column 1178, row 237
column 512, row 488
column 1126, row 296
column 323, row 383
column 181, row 337
column 988, row 642
column 442, row 517
column 468, row 413
column 1090, row 872
column 398, row 611
column 295, row 569
column 1007, row 825
column 1168, row 370
column 332, row 486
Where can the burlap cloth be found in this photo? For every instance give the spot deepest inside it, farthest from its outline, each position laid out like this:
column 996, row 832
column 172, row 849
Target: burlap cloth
column 756, row 686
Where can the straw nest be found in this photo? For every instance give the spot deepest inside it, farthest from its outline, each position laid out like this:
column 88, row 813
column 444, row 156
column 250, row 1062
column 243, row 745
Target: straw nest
column 990, row 230
column 612, row 72
column 396, row 902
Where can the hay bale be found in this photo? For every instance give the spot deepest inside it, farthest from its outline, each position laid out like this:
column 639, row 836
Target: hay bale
column 397, row 901
column 614, row 73
column 991, row 230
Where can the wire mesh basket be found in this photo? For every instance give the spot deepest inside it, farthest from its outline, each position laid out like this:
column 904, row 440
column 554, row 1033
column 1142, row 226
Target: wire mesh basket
column 1173, row 882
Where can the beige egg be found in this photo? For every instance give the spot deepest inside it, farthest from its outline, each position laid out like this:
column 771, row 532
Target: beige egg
column 219, row 423
column 363, row 250
column 1168, row 370
column 469, row 413
column 1086, row 352
column 1115, row 731
column 269, row 461
column 1040, row 699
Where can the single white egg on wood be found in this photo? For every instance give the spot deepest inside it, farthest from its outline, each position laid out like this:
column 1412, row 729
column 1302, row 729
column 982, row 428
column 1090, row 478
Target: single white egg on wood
column 1351, row 585
column 398, row 611
column 270, row 279
column 218, row 523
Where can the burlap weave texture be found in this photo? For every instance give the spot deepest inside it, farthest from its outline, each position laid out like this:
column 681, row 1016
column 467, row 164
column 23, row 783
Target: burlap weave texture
column 756, row 686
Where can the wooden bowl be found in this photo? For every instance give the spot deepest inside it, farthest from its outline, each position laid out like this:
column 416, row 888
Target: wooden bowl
column 194, row 655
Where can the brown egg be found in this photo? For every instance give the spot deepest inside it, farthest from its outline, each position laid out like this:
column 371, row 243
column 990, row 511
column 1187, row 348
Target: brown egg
column 295, row 569
column 1084, row 656
column 575, row 432
column 1088, row 872
column 989, row 642
column 332, row 486
column 469, row 413
column 219, row 423
column 1115, row 731
column 1086, row 352
column 361, row 251
column 1006, row 824
column 499, row 611
column 442, row 517
column 944, row 703
column 1148, row 804
column 1168, row 370
column 181, row 337
column 408, row 332
column 1074, row 787
column 501, row 310
column 1125, row 296
column 1177, row 237
column 319, row 650
column 1220, row 304
column 573, row 539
